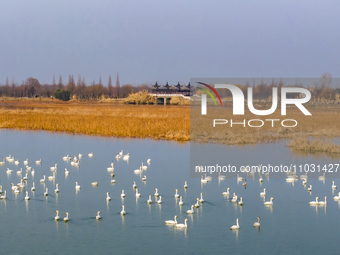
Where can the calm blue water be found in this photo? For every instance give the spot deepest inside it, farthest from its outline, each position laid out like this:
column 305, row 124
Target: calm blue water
column 291, row 226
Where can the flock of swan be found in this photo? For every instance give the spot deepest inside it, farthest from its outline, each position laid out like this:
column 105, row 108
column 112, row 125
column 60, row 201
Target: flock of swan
column 20, row 187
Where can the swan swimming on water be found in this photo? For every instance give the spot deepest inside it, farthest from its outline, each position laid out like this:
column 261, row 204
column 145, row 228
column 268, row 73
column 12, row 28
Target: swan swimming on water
column 57, row 217
column 333, row 185
column 122, row 212
column 186, row 184
column 98, row 217
column 149, row 200
column 235, row 227
column 43, row 179
column 257, row 224
column 176, row 194
column 159, row 201
column 90, row 155
column 144, row 178
column 33, row 187
column 123, row 194
column 269, row 202
column 108, row 198
column 240, row 202
column 337, row 197
column 27, row 197
column 56, row 188
column 201, row 199
column 180, row 201
column 66, row 217
column 197, row 203
column 316, row 202
column 77, row 185
column 156, row 192
column 137, row 194
column 226, row 193
column 309, row 188
column 4, row 195
column 182, row 225
column 191, row 211
column 172, row 222
column 262, row 194
column 323, row 202
column 46, row 192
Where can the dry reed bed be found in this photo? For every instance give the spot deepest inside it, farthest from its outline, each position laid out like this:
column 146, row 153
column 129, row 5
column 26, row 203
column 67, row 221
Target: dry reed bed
column 320, row 125
column 170, row 123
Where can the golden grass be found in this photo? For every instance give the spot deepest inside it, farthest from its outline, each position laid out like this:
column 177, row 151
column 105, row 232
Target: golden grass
column 322, row 123
column 314, row 145
column 155, row 122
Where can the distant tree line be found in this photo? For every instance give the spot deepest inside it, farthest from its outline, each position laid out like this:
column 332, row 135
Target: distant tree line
column 31, row 87
column 320, row 89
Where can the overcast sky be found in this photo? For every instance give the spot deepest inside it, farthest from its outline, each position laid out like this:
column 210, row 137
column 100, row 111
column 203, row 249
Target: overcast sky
column 149, row 41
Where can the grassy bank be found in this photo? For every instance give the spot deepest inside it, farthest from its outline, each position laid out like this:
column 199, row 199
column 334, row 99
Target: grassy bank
column 97, row 118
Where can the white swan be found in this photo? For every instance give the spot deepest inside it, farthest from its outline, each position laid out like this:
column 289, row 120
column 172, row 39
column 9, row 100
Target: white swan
column 245, row 183
column 201, row 199
column 90, row 155
column 77, row 185
column 21, row 184
column 4, row 195
column 122, row 212
column 98, row 217
column 43, row 179
column 27, row 197
column 270, row 202
column 32, row 172
column 20, row 171
column 68, row 157
column 28, row 168
column 323, row 202
column 203, row 180
column 235, row 227
column 156, row 192
column 126, row 157
column 16, row 162
column 14, row 187
column 56, row 188
column 144, row 167
column 46, row 192
column 111, row 168
column 123, row 194
column 148, row 161
column 337, row 197
column 172, row 222
column 52, row 177
column 9, row 171
column 208, row 178
column 186, row 184
column 226, row 193
column 240, row 202
column 54, row 168
column 10, row 159
column 57, row 217
column 182, row 225
column 149, row 200
column 144, row 178
column 234, row 199
column 239, row 178
column 262, row 194
column 134, row 185
column 17, row 191
column 176, row 194
column 2, row 162
column 137, row 194
column 138, row 170
column 316, row 202
column 221, row 177
column 159, row 201
column 333, row 185
column 33, row 187
column 38, row 162
column 180, row 201
column 260, row 179
column 322, row 177
column 66, row 218
column 79, row 155
column 108, row 198
column 67, row 172
column 25, row 162
column 94, row 184
column 304, row 182
column 309, row 188
column 191, row 211
column 197, row 203
column 257, row 224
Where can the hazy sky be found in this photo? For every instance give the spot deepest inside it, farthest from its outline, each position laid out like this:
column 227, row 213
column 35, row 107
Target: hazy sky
column 148, row 41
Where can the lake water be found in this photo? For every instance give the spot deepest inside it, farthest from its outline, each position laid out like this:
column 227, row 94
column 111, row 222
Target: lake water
column 290, row 226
